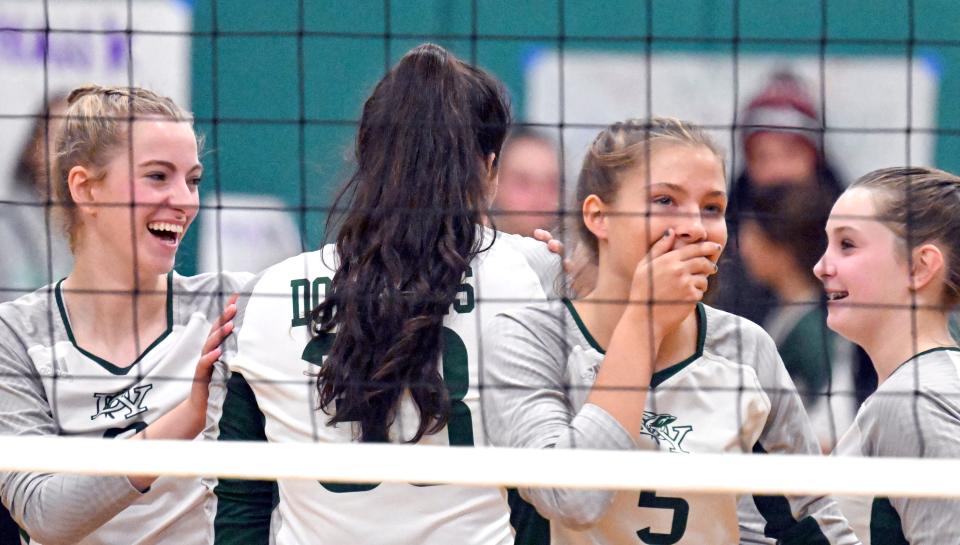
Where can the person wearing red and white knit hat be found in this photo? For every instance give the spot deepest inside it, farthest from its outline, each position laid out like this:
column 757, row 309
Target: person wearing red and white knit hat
column 782, row 133
column 782, row 137
column 782, row 142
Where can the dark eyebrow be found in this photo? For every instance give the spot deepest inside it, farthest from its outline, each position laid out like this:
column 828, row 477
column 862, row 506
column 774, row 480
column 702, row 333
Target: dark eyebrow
column 168, row 165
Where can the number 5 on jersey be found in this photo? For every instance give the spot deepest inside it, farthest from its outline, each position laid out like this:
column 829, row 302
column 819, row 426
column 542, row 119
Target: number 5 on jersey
column 678, row 525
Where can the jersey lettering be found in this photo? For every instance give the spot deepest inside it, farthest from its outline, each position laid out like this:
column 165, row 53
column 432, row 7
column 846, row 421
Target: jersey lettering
column 132, row 400
column 661, row 429
column 465, row 301
column 305, row 295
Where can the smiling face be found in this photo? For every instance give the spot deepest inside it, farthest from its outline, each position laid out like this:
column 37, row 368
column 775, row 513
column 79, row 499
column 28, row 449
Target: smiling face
column 863, row 270
column 165, row 171
column 686, row 192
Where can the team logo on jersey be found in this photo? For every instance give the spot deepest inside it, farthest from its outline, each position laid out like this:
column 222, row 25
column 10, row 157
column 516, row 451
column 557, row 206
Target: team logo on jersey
column 661, row 429
column 130, row 400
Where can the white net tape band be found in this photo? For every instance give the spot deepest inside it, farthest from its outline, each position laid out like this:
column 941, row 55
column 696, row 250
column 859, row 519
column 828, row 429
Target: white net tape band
column 366, row 463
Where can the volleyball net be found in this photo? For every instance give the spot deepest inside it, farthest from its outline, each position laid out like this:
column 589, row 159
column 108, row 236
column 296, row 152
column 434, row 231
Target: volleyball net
column 497, row 467
column 276, row 89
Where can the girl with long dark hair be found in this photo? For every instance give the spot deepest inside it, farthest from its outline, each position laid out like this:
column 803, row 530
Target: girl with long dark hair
column 375, row 338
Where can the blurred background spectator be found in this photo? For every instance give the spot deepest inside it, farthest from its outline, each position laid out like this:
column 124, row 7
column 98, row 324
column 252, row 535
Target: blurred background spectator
column 782, row 237
column 766, row 272
column 782, row 145
column 528, row 195
column 32, row 258
column 28, row 229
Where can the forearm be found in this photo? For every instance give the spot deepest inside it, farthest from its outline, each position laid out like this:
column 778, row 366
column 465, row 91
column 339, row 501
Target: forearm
column 527, row 403
column 623, row 379
column 594, row 429
column 185, row 421
column 59, row 508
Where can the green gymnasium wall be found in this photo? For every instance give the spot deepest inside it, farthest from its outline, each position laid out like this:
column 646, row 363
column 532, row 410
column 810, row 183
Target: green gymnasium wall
column 248, row 80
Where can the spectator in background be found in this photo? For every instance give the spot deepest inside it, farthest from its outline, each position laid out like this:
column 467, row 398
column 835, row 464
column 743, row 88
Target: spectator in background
column 23, row 234
column 782, row 236
column 782, row 144
column 27, row 228
column 528, row 194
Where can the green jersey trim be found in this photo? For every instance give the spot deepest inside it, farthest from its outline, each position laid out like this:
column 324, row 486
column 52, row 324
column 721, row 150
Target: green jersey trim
column 780, row 522
column 662, row 375
column 529, row 526
column 924, row 353
column 582, row 326
column 885, row 525
column 111, row 367
column 244, row 507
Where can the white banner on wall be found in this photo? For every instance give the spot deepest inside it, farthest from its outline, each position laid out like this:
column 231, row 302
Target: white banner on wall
column 160, row 61
column 862, row 95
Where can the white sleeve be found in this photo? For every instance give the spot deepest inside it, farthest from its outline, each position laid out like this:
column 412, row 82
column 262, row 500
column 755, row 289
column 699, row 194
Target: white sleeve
column 525, row 405
column 792, row 519
column 51, row 508
column 547, row 265
column 921, row 425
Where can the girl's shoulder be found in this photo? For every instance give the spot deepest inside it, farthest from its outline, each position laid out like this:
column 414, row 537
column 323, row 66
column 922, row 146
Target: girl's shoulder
column 31, row 317
column 322, row 262
column 935, row 371
column 225, row 281
column 553, row 327
column 39, row 299
column 204, row 293
column 726, row 332
column 916, row 411
column 515, row 253
column 742, row 342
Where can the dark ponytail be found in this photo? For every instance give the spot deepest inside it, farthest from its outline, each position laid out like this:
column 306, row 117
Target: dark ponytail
column 406, row 238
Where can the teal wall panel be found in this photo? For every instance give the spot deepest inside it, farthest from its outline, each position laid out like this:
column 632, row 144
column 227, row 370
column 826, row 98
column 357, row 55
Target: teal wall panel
column 254, row 91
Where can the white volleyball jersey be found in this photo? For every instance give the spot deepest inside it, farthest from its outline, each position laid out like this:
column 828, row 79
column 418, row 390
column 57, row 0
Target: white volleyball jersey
column 49, row 385
column 272, row 396
column 915, row 413
column 732, row 395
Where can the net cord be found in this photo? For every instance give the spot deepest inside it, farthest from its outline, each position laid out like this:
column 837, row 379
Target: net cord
column 559, row 468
